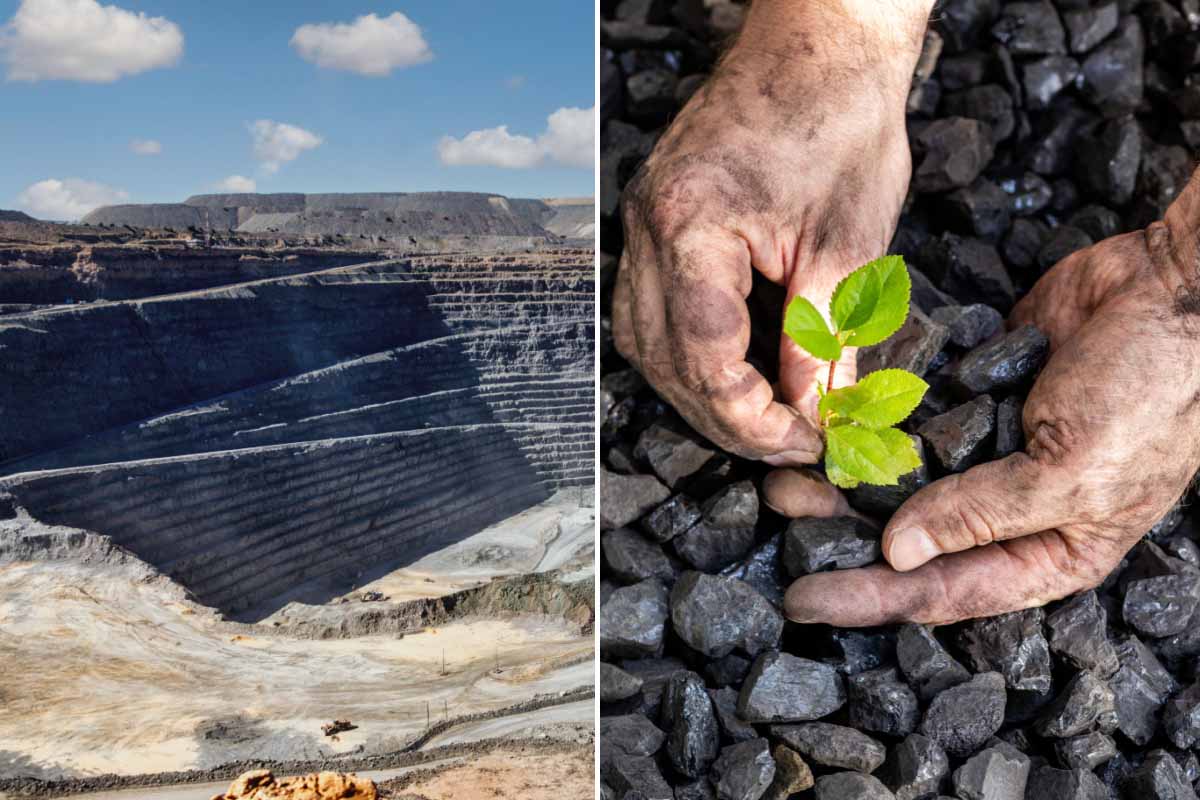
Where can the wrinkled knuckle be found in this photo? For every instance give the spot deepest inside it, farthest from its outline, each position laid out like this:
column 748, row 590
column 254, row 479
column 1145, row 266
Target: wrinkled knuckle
column 972, row 523
column 1054, row 443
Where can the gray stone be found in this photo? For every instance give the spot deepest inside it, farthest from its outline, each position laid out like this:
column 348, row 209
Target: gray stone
column 963, row 717
column 1088, row 27
column 1181, row 717
column 916, row 768
column 632, row 558
column 635, row 776
column 814, row 544
column 715, row 615
column 1161, row 605
column 671, row 518
column 970, row 324
column 616, row 684
column 786, row 688
column 1158, row 778
column 926, row 664
column 1140, row 686
column 1048, row 783
column 1087, row 702
column 956, row 149
column 696, row 790
column 851, row 786
column 734, row 727
column 1079, row 634
column 633, row 621
column 995, row 773
column 1013, row 645
column 673, row 457
column 629, row 734
column 835, row 746
column 687, row 715
column 1007, row 364
column 728, row 671
column 880, row 702
column 624, row 498
column 1086, row 751
column 743, row 771
column 960, row 438
column 911, row 348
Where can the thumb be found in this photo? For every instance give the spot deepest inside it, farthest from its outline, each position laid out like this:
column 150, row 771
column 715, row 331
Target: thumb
column 799, row 371
column 1006, row 499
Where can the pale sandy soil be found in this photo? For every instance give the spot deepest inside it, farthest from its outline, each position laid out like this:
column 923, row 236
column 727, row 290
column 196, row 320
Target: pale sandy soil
column 568, row 775
column 105, row 673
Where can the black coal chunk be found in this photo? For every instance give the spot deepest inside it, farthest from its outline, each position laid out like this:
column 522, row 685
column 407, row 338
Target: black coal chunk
column 963, row 70
column 716, row 615
column 1010, row 429
column 1161, row 605
column 696, row 790
column 964, row 23
column 1053, row 152
column 916, row 768
column 1141, row 685
column 728, row 671
column 1088, row 27
column 1159, row 776
column 1086, row 751
column 1106, row 163
column 1028, row 194
column 673, row 457
column 989, row 104
column 632, row 558
column 650, row 96
column 630, row 735
column 959, row 439
column 1013, row 645
column 880, row 702
column 927, row 665
column 969, row 269
column 1096, row 221
column 763, row 570
column 687, row 713
column 635, row 776
column 624, row 498
column 994, row 773
column 1085, row 703
column 911, row 348
column 1062, row 242
column 851, row 786
column 963, row 717
column 970, row 324
column 1079, row 635
column 813, row 544
column 785, row 688
column 616, row 684
column 1048, row 783
column 671, row 518
column 859, row 650
column 1006, row 364
column 1112, row 76
column 835, row 746
column 1044, row 78
column 734, row 728
column 871, row 499
column 956, row 149
column 925, row 296
column 1181, row 717
column 1030, row 29
column 743, row 771
column 633, row 621
column 982, row 209
column 1023, row 241
column 735, row 506
column 707, row 547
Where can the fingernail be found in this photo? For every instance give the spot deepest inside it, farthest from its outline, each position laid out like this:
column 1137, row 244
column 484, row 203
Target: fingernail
column 911, row 548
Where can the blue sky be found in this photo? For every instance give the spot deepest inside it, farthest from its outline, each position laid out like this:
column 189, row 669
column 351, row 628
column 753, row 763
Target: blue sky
column 493, row 64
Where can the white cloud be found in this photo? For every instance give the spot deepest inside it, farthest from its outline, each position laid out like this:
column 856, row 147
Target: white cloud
column 236, row 184
column 68, row 199
column 370, row 45
column 514, row 82
column 146, row 147
column 81, row 40
column 278, row 142
column 569, row 139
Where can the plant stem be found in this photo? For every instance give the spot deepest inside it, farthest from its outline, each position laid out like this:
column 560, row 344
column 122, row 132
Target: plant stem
column 829, row 384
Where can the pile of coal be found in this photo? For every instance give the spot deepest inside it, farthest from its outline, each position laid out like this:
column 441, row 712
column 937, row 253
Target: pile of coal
column 1037, row 128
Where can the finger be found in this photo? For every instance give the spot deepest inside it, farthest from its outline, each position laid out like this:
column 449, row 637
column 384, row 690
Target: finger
column 992, row 502
column 703, row 280
column 803, row 493
column 799, row 371
column 996, row 579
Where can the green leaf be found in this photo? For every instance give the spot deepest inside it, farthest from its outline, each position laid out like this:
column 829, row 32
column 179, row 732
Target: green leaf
column 878, row 457
column 890, row 305
column 839, row 478
column 883, row 398
column 855, row 298
column 807, row 328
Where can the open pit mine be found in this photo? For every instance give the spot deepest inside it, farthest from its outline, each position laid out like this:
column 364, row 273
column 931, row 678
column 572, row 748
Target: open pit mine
column 298, row 482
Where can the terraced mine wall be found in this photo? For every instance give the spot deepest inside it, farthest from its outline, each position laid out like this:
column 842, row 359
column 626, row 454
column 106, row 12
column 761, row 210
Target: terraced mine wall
column 249, row 438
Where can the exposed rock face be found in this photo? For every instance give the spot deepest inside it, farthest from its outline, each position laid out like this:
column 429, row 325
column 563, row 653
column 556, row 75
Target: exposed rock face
column 256, row 436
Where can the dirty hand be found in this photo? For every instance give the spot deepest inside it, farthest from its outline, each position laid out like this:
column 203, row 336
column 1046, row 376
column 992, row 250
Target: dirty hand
column 1113, row 432
column 792, row 160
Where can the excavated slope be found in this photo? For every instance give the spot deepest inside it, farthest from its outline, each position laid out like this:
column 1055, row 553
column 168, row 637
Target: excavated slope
column 247, row 438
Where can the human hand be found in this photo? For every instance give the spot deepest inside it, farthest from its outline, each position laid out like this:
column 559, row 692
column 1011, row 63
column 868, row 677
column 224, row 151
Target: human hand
column 793, row 160
column 1113, row 432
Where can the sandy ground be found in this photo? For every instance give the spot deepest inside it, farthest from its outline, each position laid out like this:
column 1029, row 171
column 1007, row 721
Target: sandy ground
column 567, row 775
column 103, row 673
column 582, row 711
column 553, row 535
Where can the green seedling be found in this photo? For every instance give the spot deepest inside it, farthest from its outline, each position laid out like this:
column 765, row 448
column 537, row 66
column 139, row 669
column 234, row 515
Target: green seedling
column 862, row 444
